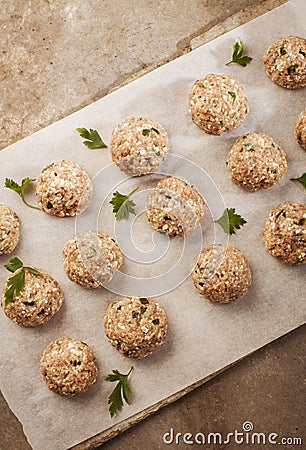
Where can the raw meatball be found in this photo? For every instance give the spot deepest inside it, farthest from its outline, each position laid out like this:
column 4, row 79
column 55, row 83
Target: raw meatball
column 9, row 230
column 91, row 259
column 40, row 299
column 285, row 62
column 175, row 207
column 222, row 273
column 217, row 103
column 64, row 189
column 138, row 146
column 284, row 232
column 68, row 366
column 255, row 162
column 135, row 326
column 300, row 129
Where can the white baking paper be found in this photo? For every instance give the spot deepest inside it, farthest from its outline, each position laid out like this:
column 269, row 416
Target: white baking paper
column 202, row 337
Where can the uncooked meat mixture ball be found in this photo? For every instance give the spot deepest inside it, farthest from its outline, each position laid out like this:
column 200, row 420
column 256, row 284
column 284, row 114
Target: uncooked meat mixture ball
column 222, row 273
column 138, row 146
column 284, row 232
column 217, row 103
column 9, row 230
column 64, row 189
column 39, row 300
column 300, row 129
column 255, row 162
column 285, row 62
column 68, row 366
column 91, row 258
column 135, row 326
column 175, row 207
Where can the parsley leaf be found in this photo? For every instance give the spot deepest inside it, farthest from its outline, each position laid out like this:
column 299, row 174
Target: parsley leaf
column 9, row 294
column 13, row 264
column 32, row 270
column 237, row 55
column 292, row 69
column 93, row 139
column 243, row 61
column 146, row 131
column 233, row 95
column 230, row 220
column 301, row 179
column 47, row 167
column 122, row 206
column 122, row 389
column 11, row 184
column 15, row 283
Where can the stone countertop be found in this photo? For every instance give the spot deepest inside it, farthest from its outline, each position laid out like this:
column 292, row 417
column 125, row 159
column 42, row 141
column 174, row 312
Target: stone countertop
column 58, row 56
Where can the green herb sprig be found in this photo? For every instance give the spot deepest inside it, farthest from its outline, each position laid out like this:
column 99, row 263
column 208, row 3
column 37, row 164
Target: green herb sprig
column 14, row 186
column 237, row 55
column 122, row 206
column 47, row 167
column 230, row 220
column 93, row 139
column 122, row 389
column 15, row 284
column 301, row 179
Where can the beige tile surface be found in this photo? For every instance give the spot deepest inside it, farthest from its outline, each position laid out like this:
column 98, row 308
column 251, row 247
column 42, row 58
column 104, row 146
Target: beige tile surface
column 58, row 56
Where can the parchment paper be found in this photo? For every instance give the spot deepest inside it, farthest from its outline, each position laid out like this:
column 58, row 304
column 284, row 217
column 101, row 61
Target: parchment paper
column 202, row 337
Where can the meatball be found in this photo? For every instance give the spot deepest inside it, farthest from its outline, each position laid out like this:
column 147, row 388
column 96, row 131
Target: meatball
column 135, row 326
column 255, row 162
column 222, row 273
column 300, row 129
column 68, row 366
column 217, row 103
column 175, row 207
column 284, row 232
column 63, row 189
column 285, row 62
column 39, row 300
column 9, row 230
column 91, row 259
column 138, row 146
